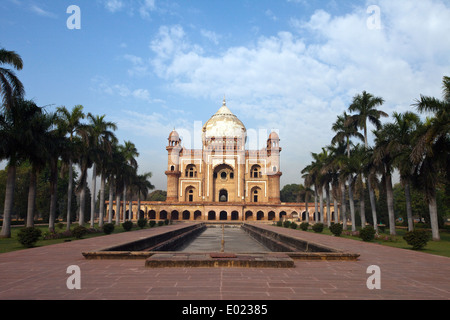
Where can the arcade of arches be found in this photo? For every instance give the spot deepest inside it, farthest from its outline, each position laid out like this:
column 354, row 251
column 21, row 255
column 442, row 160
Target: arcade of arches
column 215, row 212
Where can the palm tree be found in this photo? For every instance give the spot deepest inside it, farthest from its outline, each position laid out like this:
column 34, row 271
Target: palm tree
column 15, row 141
column 309, row 174
column 383, row 158
column 58, row 146
column 86, row 154
column 308, row 182
column 141, row 186
column 101, row 139
column 11, row 88
column 70, row 122
column 365, row 105
column 345, row 129
column 338, row 159
column 401, row 146
column 359, row 163
column 431, row 152
column 130, row 153
column 40, row 126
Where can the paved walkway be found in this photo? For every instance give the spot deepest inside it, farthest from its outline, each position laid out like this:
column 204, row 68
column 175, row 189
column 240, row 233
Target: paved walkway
column 41, row 273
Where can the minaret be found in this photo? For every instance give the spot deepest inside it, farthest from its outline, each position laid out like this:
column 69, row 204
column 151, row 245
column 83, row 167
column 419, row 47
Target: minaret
column 273, row 170
column 173, row 173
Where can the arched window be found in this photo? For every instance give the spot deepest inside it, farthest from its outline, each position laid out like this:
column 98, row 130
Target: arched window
column 256, row 171
column 191, row 171
column 255, row 194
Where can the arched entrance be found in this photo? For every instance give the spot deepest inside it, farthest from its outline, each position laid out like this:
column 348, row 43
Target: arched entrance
column 212, row 215
column 197, row 215
column 223, row 195
column 223, row 215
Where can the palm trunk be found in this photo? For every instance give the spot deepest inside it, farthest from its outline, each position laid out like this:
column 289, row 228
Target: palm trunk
column 93, row 195
column 373, row 205
column 336, row 215
column 352, row 203
column 432, row 205
column 82, row 203
column 306, row 208
column 408, row 206
column 130, row 210
column 102, row 201
column 390, row 202
column 316, row 215
column 31, row 198
column 343, row 207
column 110, row 209
column 362, row 207
column 327, row 194
column 321, row 204
column 138, row 214
column 117, row 209
column 69, row 195
column 124, row 203
column 9, row 201
column 53, row 196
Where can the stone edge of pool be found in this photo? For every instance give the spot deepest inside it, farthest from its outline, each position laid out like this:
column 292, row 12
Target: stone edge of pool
column 279, row 259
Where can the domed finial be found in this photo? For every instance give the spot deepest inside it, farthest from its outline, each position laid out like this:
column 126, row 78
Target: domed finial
column 224, row 101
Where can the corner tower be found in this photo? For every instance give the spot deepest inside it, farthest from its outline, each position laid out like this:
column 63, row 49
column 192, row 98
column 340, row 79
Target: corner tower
column 173, row 169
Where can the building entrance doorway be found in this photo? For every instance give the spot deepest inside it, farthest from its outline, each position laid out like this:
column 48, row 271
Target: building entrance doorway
column 223, row 195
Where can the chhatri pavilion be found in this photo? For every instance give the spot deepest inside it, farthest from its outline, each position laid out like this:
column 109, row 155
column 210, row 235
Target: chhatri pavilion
column 223, row 181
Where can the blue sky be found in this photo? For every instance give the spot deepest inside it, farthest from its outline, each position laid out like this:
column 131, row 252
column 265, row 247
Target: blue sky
column 288, row 65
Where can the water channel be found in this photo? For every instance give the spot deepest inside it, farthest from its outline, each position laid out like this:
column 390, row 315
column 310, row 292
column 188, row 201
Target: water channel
column 234, row 239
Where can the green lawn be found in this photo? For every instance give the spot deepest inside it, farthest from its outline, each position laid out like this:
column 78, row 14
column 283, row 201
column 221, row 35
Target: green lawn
column 441, row 247
column 12, row 244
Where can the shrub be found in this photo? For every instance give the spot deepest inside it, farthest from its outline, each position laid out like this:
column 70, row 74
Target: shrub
column 108, row 228
column 367, row 233
column 60, row 225
column 293, row 225
column 417, row 239
column 152, row 223
column 304, row 226
column 127, row 225
column 51, row 235
column 79, row 231
column 286, row 224
column 166, row 222
column 336, row 229
column 160, row 223
column 29, row 236
column 318, row 227
column 279, row 223
column 142, row 223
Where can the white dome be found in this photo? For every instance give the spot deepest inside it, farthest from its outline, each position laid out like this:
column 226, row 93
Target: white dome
column 224, row 124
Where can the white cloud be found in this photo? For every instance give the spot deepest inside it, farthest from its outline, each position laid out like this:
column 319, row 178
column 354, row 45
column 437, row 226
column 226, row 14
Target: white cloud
column 146, row 7
column 299, row 81
column 41, row 12
column 210, row 35
column 102, row 85
column 114, row 5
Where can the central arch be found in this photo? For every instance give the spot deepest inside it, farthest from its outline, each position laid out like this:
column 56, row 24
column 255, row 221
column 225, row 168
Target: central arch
column 223, row 195
column 224, row 183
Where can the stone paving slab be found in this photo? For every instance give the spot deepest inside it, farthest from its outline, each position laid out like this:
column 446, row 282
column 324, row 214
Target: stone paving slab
column 217, row 260
column 41, row 274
